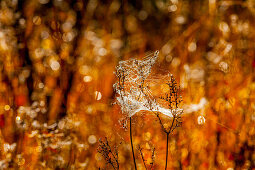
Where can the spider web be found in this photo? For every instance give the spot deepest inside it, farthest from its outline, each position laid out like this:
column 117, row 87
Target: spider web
column 132, row 86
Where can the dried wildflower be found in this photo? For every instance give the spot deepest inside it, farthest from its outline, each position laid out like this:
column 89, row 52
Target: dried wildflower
column 110, row 155
column 173, row 99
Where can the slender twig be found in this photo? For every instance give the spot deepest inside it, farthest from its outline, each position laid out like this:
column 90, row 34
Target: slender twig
column 167, row 138
column 160, row 122
column 141, row 153
column 152, row 158
column 131, row 141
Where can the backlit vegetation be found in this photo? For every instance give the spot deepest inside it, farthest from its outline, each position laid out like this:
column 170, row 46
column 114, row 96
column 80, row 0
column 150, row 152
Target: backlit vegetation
column 76, row 77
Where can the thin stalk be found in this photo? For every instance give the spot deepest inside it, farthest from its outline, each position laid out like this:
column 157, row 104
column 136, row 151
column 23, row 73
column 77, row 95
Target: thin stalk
column 167, row 136
column 132, row 142
column 140, row 149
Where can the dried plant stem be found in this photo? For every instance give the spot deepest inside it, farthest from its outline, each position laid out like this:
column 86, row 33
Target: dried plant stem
column 141, row 153
column 132, row 142
column 111, row 156
column 167, row 138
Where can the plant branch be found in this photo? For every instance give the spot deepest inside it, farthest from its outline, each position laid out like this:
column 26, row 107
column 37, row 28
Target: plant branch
column 141, row 153
column 167, row 138
column 131, row 141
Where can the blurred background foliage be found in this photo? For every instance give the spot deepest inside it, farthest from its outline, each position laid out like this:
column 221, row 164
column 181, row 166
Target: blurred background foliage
column 57, row 63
